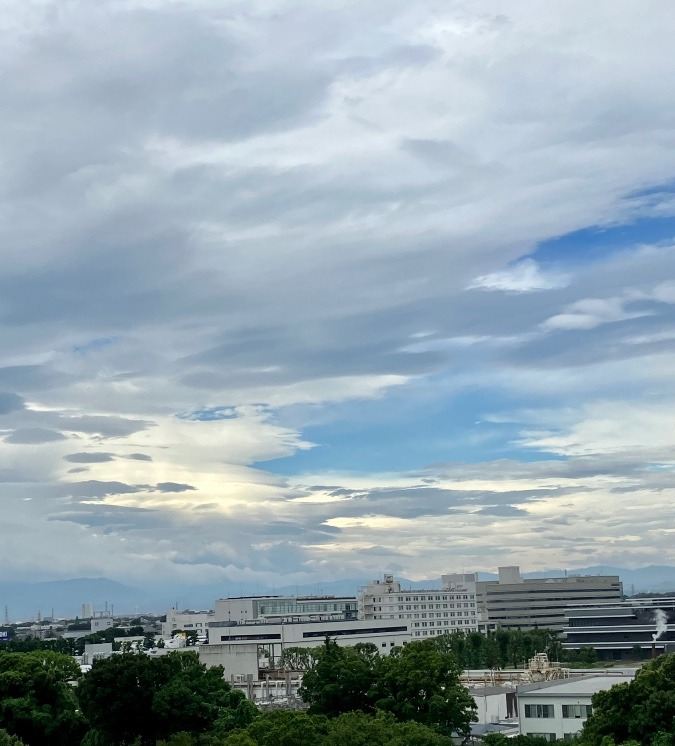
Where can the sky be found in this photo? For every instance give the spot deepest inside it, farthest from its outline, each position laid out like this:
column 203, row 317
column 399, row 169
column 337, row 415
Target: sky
column 296, row 291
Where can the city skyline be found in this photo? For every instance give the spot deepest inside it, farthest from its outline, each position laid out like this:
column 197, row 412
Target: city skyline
column 294, row 292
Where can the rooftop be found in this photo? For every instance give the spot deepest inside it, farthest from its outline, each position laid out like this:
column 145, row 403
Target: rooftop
column 574, row 687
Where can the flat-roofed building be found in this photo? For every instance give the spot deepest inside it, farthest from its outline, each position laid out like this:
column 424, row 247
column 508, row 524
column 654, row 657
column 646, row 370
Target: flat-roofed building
column 557, row 710
column 187, row 621
column 516, row 603
column 285, row 608
column 429, row 612
column 622, row 630
column 275, row 637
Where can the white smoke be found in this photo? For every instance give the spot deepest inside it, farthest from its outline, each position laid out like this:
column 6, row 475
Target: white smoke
column 661, row 622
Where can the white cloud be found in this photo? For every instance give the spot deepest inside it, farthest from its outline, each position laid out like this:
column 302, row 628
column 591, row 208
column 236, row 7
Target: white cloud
column 524, row 277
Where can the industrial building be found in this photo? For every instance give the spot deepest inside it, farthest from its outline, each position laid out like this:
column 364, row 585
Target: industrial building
column 513, row 602
column 622, row 630
column 557, row 710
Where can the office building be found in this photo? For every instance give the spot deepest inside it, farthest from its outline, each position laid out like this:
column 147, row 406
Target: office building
column 428, row 612
column 512, row 602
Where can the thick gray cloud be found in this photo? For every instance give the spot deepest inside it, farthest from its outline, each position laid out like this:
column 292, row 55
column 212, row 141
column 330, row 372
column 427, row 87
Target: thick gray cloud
column 34, row 436
column 89, row 458
column 268, row 212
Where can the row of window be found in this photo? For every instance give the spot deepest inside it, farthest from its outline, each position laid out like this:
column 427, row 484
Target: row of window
column 416, row 607
column 548, row 711
column 458, row 597
column 438, row 623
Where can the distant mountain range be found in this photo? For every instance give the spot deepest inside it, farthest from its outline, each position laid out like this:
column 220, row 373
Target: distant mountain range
column 65, row 597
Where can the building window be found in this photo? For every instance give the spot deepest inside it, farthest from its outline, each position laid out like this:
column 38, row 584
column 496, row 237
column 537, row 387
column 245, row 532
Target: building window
column 576, row 711
column 538, row 711
column 545, row 736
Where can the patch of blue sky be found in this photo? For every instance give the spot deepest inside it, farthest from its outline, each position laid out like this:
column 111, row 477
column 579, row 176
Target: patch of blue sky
column 388, row 435
column 208, row 414
column 596, row 243
column 94, row 345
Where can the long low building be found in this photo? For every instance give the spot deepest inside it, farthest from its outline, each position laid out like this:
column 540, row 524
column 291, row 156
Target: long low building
column 624, row 630
column 276, row 637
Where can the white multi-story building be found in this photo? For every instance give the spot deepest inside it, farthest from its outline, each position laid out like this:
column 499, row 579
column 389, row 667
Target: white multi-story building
column 188, row 621
column 557, row 710
column 429, row 612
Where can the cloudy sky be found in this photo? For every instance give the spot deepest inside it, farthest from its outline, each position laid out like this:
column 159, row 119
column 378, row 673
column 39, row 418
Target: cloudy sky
column 295, row 291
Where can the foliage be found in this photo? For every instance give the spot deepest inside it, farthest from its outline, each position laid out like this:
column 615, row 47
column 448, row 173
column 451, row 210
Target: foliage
column 340, row 681
column 420, row 683
column 8, row 740
column 500, row 648
column 36, row 701
column 642, row 710
column 133, row 696
column 357, row 729
column 284, row 728
column 298, row 659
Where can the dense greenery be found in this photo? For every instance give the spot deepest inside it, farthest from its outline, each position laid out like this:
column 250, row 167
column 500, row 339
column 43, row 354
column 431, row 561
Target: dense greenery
column 349, row 729
column 129, row 697
column 418, row 682
column 36, row 702
column 641, row 711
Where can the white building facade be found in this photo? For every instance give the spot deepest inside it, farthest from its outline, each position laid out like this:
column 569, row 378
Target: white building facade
column 274, row 638
column 557, row 710
column 188, row 621
column 428, row 612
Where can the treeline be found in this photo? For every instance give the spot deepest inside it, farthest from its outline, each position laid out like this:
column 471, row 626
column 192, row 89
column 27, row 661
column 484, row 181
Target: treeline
column 355, row 697
column 74, row 645
column 499, row 649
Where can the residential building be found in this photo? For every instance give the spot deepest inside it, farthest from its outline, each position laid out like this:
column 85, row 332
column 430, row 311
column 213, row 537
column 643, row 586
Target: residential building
column 512, row 602
column 429, row 612
column 622, row 630
column 557, row 710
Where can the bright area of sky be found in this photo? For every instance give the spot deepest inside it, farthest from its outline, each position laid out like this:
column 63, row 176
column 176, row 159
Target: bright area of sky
column 296, row 290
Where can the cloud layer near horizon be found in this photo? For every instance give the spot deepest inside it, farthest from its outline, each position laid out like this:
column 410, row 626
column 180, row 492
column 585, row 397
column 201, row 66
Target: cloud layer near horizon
column 297, row 290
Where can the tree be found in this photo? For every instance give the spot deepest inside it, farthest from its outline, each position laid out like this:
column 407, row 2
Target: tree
column 132, row 696
column 284, row 728
column 37, row 703
column 8, row 740
column 339, row 681
column 642, row 710
column 357, row 729
column 298, row 659
column 420, row 683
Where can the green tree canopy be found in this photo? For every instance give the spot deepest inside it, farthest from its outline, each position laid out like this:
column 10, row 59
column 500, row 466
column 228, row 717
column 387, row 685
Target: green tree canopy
column 133, row 696
column 420, row 683
column 642, row 710
column 37, row 703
